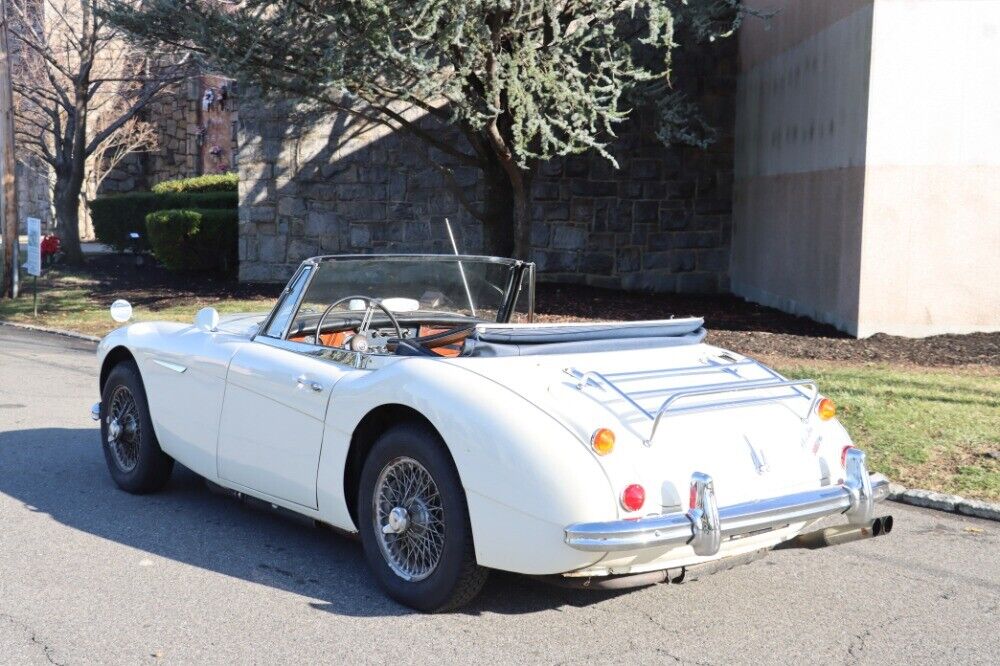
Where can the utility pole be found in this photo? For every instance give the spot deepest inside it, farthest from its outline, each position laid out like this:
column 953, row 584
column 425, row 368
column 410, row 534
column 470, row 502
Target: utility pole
column 8, row 197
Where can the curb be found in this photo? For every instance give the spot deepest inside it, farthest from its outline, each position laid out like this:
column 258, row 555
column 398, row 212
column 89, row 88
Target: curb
column 929, row 499
column 53, row 331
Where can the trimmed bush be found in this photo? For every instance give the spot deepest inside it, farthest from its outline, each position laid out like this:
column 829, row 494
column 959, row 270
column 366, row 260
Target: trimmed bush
column 194, row 240
column 218, row 182
column 117, row 215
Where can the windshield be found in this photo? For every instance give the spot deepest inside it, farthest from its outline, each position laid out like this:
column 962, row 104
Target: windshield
column 483, row 288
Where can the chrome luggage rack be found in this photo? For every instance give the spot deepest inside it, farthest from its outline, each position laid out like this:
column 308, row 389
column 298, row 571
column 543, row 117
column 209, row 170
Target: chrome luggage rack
column 673, row 395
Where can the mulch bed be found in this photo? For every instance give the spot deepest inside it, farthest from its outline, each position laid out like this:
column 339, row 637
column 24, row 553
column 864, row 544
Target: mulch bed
column 756, row 330
column 118, row 276
column 733, row 323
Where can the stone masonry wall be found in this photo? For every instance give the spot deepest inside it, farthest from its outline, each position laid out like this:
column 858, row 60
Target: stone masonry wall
column 328, row 184
column 34, row 196
column 185, row 129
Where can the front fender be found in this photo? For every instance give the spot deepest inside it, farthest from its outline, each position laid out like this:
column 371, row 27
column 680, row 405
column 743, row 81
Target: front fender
column 525, row 475
column 183, row 370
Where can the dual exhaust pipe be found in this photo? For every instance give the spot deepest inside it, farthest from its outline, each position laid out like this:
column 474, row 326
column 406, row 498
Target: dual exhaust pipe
column 834, row 536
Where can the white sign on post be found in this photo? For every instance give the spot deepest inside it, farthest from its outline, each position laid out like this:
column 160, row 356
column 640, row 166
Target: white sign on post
column 33, row 264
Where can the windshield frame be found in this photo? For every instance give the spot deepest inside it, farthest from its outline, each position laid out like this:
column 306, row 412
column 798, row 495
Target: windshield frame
column 512, row 291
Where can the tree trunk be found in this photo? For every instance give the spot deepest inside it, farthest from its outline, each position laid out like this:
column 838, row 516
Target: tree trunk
column 67, row 206
column 498, row 225
column 507, row 227
column 520, row 187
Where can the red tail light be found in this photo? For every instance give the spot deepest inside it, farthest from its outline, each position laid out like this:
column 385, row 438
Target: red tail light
column 633, row 497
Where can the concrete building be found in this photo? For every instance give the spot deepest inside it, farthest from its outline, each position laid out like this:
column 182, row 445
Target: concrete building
column 867, row 175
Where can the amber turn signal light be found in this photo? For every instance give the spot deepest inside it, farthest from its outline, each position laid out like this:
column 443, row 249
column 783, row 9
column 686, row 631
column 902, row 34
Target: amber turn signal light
column 603, row 441
column 826, row 409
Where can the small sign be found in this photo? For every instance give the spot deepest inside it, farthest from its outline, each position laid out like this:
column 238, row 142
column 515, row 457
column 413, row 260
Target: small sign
column 33, row 264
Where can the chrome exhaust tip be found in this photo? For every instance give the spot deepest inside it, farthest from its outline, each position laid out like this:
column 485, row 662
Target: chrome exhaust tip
column 886, row 524
column 834, row 536
column 876, row 527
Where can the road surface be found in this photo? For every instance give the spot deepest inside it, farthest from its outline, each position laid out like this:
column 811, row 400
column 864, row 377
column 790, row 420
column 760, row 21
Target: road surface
column 91, row 574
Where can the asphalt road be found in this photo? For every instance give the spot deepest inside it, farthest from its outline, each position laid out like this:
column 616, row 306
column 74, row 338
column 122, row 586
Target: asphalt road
column 91, row 574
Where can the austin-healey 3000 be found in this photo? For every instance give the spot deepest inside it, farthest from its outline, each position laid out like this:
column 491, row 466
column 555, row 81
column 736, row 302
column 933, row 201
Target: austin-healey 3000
column 413, row 401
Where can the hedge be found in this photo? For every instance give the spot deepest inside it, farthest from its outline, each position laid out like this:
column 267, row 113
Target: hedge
column 219, row 182
column 194, row 240
column 118, row 215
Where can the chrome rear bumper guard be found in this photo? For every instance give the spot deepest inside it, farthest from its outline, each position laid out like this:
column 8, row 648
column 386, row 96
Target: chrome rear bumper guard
column 704, row 526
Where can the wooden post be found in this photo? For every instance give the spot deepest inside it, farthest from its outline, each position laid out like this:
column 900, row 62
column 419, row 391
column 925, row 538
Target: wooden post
column 8, row 197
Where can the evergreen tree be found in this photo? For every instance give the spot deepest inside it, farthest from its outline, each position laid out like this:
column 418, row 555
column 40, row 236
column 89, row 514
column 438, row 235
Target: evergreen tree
column 520, row 80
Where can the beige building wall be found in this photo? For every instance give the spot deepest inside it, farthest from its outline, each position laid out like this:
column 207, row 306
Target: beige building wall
column 867, row 190
column 931, row 239
column 801, row 121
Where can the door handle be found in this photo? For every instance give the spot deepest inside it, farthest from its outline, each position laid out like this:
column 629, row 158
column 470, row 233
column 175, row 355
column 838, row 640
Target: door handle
column 302, row 381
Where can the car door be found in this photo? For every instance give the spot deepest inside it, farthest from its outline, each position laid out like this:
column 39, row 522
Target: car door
column 271, row 430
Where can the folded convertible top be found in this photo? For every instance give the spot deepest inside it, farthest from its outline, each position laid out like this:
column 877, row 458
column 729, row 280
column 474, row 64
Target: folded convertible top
column 528, row 339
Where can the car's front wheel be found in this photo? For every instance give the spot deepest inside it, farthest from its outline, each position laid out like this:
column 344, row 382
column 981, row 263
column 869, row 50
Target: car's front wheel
column 135, row 460
column 414, row 522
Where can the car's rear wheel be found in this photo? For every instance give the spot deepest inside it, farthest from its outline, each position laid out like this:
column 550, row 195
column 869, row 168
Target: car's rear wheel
column 135, row 460
column 414, row 522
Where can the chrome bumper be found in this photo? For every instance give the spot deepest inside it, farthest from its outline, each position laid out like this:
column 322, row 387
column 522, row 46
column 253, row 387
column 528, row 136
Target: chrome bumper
column 705, row 525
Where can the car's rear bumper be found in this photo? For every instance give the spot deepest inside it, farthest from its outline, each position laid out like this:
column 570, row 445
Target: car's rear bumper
column 706, row 524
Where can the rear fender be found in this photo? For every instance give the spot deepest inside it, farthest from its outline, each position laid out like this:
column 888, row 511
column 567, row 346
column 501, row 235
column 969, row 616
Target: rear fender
column 525, row 475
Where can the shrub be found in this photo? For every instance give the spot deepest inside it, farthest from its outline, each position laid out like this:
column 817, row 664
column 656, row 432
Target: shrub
column 218, row 182
column 194, row 239
column 117, row 215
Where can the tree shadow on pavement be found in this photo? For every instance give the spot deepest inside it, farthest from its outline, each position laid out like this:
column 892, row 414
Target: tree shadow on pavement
column 61, row 472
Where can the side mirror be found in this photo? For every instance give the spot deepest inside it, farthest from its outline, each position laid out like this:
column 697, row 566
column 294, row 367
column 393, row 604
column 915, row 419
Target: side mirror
column 121, row 311
column 207, row 320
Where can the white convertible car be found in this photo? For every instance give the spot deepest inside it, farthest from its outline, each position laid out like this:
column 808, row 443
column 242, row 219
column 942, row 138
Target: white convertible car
column 410, row 399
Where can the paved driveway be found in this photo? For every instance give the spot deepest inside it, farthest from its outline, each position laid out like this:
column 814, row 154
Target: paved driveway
column 91, row 574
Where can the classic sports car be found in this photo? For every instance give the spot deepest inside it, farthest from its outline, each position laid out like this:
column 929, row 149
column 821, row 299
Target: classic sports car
column 410, row 399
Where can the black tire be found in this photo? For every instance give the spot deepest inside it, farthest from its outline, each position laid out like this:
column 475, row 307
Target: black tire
column 147, row 468
column 456, row 578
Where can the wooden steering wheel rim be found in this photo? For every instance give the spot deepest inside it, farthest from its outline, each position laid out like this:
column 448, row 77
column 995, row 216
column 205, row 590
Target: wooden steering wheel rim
column 371, row 301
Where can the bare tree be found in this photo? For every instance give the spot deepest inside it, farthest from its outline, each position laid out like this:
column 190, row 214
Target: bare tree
column 134, row 136
column 78, row 90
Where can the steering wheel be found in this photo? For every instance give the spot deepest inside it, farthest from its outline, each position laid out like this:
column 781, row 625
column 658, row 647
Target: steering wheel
column 359, row 342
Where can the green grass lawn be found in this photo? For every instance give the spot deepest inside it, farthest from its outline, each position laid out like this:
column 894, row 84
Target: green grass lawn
column 927, row 428
column 67, row 301
column 923, row 427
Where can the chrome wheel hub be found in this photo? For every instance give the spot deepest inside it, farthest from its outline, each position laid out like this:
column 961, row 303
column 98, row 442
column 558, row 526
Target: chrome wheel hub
column 408, row 519
column 123, row 429
column 398, row 521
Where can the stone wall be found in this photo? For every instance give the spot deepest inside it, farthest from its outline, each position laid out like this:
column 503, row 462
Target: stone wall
column 186, row 133
column 34, row 196
column 330, row 184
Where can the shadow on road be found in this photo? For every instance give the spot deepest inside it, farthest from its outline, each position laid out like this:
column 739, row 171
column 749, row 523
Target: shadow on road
column 61, row 472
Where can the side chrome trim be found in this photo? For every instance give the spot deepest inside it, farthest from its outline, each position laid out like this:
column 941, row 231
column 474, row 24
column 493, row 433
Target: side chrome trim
column 705, row 526
column 353, row 359
column 176, row 367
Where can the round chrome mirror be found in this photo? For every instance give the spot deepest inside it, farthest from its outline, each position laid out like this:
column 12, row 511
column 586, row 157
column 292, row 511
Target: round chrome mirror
column 207, row 319
column 121, row 311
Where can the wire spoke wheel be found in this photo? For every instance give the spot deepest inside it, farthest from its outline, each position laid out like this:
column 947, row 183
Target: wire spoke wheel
column 124, row 429
column 408, row 519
